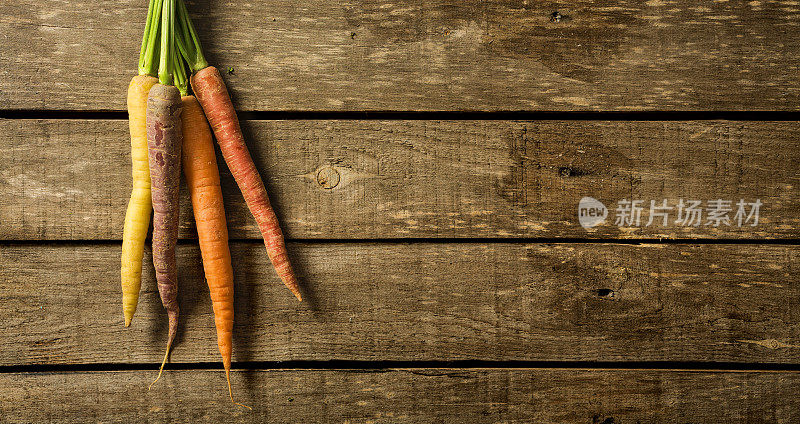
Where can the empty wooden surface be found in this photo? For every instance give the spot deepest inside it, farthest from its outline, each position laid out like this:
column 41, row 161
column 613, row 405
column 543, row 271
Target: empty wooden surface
column 69, row 179
column 431, row 55
column 407, row 395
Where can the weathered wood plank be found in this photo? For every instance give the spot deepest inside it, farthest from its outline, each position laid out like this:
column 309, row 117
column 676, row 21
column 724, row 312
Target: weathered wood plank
column 407, row 395
column 432, row 55
column 419, row 301
column 64, row 179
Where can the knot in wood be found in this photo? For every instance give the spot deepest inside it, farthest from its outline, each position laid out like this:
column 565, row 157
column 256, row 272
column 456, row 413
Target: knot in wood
column 328, row 177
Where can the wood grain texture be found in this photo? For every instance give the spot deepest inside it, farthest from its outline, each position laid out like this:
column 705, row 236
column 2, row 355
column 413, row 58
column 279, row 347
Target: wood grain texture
column 70, row 179
column 432, row 55
column 418, row 301
column 407, row 396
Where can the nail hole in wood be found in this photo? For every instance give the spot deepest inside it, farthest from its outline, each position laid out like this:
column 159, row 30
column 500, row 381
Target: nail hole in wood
column 605, row 293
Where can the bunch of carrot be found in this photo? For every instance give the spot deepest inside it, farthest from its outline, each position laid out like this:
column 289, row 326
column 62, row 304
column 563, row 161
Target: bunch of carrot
column 169, row 130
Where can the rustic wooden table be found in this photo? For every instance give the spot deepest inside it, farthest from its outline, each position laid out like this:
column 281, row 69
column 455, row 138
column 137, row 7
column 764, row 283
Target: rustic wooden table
column 427, row 159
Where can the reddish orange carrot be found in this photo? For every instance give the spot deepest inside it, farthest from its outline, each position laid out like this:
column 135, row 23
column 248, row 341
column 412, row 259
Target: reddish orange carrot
column 210, row 90
column 202, row 177
column 213, row 96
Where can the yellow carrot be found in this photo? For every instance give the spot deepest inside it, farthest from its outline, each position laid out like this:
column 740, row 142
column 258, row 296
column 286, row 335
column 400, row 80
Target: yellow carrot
column 137, row 216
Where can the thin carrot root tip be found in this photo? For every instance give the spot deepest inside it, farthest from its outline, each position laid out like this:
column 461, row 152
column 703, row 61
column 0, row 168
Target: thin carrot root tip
column 127, row 322
column 161, row 370
column 173, row 327
column 295, row 289
column 241, row 404
column 230, row 391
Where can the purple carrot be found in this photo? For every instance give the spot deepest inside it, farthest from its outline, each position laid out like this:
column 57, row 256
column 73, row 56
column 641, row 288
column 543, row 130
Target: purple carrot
column 164, row 140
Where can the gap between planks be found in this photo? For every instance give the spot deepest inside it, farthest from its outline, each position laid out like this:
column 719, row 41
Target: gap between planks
column 378, row 366
column 424, row 240
column 388, row 115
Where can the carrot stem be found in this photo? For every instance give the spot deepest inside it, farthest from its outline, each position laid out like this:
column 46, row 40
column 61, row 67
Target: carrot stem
column 148, row 24
column 179, row 70
column 180, row 43
column 191, row 48
column 149, row 53
column 165, row 67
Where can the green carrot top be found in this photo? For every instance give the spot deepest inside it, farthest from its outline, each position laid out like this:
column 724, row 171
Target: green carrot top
column 148, row 56
column 179, row 70
column 158, row 55
column 165, row 65
column 188, row 42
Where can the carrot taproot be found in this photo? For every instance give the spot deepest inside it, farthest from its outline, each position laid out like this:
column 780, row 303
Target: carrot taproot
column 202, row 177
column 211, row 92
column 137, row 215
column 164, row 144
column 213, row 95
column 164, row 141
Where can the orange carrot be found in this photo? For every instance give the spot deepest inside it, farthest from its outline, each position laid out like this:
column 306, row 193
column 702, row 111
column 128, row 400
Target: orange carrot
column 210, row 90
column 202, row 177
